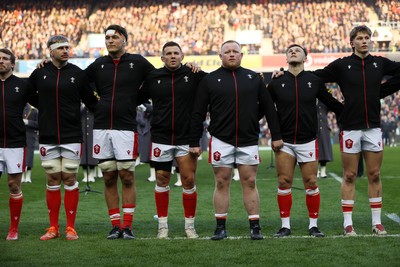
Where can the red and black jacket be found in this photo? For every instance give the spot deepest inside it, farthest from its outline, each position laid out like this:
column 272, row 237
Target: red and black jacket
column 233, row 98
column 173, row 95
column 117, row 84
column 15, row 93
column 295, row 99
column 60, row 92
column 360, row 82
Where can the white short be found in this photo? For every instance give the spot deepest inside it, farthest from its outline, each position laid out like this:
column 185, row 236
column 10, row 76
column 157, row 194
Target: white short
column 12, row 160
column 166, row 153
column 69, row 151
column 361, row 140
column 222, row 154
column 118, row 144
column 307, row 152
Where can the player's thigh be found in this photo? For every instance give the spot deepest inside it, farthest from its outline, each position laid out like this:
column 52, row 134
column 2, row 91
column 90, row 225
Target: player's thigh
column 285, row 162
column 187, row 164
column 373, row 161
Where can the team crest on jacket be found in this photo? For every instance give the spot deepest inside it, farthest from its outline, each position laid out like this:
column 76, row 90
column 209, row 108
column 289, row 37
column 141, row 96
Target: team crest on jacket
column 309, row 84
column 131, row 65
column 250, row 76
column 156, row 152
column 375, row 65
column 283, row 85
column 96, row 149
column 17, row 89
column 186, row 78
column 217, row 156
column 72, row 80
column 43, row 151
column 349, row 143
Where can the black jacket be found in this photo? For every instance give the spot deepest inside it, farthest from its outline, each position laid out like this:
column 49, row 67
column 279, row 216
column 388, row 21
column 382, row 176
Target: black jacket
column 173, row 95
column 233, row 98
column 15, row 93
column 295, row 99
column 60, row 92
column 117, row 85
column 360, row 83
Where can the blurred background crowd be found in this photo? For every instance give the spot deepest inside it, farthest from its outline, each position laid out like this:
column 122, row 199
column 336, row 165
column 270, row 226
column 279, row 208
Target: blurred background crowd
column 199, row 26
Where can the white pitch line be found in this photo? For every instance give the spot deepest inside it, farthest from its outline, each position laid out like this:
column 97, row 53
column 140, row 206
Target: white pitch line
column 393, row 217
column 267, row 237
column 337, row 178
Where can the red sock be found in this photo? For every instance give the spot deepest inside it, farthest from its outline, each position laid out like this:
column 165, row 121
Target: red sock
column 53, row 199
column 162, row 202
column 115, row 217
column 128, row 211
column 284, row 198
column 15, row 204
column 71, row 198
column 189, row 204
column 313, row 199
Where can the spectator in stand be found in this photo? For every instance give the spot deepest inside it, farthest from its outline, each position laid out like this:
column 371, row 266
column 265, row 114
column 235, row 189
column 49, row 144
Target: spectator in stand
column 198, row 27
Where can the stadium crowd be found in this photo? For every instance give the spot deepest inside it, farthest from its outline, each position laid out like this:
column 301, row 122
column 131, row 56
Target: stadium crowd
column 199, row 28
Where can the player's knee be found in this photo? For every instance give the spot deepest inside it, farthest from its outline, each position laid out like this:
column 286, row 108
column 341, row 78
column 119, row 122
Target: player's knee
column 221, row 184
column 374, row 177
column 311, row 183
column 349, row 177
column 70, row 165
column 14, row 187
column 126, row 165
column 108, row 166
column 52, row 165
column 187, row 181
column 284, row 181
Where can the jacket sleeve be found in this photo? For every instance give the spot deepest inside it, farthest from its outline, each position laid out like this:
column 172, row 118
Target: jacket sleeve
column 390, row 86
column 199, row 114
column 33, row 97
column 328, row 74
column 144, row 93
column 268, row 106
column 332, row 103
column 88, row 96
